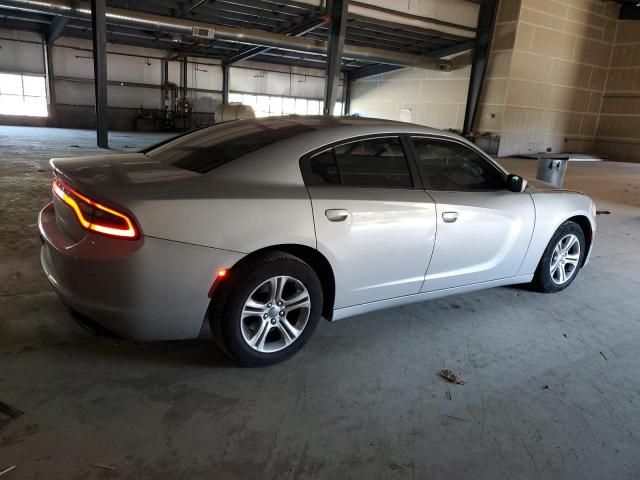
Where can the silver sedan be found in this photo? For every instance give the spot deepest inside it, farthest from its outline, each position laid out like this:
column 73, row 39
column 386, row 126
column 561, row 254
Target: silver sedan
column 252, row 230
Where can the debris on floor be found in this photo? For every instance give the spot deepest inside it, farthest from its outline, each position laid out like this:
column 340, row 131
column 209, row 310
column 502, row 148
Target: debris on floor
column 10, row 411
column 603, row 212
column 452, row 376
column 105, row 467
column 605, row 358
column 545, row 387
column 7, row 470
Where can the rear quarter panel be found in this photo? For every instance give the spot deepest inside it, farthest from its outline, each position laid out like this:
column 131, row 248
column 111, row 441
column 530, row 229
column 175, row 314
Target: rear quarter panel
column 237, row 217
column 553, row 208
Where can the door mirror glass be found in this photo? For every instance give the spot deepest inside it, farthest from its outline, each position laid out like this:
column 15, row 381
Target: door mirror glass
column 516, row 183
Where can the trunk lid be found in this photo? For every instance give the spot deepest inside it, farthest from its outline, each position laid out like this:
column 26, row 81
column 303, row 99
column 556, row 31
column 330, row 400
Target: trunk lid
column 121, row 181
column 124, row 176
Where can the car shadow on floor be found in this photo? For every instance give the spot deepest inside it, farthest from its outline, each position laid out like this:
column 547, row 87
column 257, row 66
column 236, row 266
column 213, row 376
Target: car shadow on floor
column 202, row 351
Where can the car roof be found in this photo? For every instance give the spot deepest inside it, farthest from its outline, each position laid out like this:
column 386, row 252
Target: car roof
column 322, row 122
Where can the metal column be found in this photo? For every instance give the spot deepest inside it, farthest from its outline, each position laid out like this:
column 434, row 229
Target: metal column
column 99, row 31
column 51, row 84
column 185, row 76
column 484, row 34
column 346, row 94
column 225, row 83
column 337, row 30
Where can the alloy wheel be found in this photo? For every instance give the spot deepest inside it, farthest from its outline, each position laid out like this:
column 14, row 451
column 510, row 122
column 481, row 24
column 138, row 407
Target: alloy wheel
column 565, row 259
column 275, row 314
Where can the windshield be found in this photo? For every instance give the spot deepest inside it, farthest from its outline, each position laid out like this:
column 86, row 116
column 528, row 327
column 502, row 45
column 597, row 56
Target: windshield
column 206, row 149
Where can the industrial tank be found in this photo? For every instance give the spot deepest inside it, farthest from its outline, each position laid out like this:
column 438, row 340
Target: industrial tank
column 226, row 112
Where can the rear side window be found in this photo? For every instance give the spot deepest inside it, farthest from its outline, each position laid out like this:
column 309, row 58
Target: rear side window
column 207, row 149
column 373, row 163
column 450, row 166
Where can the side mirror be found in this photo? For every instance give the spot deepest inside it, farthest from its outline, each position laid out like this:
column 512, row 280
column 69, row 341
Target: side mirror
column 516, row 183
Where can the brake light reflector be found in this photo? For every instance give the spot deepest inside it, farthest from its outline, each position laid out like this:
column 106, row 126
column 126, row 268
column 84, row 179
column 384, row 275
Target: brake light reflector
column 93, row 215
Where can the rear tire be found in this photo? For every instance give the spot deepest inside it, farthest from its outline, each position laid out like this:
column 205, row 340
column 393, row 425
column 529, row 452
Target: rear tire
column 266, row 309
column 562, row 259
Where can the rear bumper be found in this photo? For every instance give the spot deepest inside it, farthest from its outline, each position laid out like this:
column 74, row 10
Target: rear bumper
column 148, row 289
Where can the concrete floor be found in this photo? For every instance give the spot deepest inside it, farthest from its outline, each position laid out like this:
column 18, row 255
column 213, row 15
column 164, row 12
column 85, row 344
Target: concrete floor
column 552, row 388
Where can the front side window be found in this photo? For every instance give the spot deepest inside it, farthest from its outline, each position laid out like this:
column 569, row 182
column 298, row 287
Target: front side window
column 450, row 166
column 373, row 163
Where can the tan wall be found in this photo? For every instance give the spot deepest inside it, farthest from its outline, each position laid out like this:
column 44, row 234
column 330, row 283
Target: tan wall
column 432, row 98
column 551, row 94
column 427, row 97
column 619, row 129
column 563, row 76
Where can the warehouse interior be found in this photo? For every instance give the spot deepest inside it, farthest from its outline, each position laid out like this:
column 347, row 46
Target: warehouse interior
column 551, row 387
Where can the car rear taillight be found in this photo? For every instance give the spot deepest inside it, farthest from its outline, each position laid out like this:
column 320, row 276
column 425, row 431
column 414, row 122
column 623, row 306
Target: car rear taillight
column 95, row 216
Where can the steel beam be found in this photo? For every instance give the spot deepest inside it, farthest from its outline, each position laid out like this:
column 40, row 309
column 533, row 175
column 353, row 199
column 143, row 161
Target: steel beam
column 99, row 32
column 51, row 84
column 225, row 83
column 208, row 33
column 390, row 11
column 185, row 76
column 482, row 49
column 346, row 93
column 295, row 31
column 376, row 69
column 337, row 31
column 56, row 28
column 192, row 8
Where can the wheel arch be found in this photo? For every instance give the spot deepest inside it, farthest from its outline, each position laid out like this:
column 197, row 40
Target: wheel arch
column 316, row 260
column 585, row 225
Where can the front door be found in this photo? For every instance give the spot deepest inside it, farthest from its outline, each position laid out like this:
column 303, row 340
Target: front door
column 483, row 229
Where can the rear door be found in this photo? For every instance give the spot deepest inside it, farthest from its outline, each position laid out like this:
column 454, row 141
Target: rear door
column 373, row 221
column 483, row 229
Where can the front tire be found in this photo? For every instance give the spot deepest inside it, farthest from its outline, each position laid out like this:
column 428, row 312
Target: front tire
column 267, row 309
column 562, row 259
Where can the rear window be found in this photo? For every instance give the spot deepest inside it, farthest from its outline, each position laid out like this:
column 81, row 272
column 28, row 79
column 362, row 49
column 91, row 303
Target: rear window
column 372, row 163
column 207, row 149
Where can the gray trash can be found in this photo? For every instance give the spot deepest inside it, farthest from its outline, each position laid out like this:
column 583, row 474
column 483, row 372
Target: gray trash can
column 552, row 170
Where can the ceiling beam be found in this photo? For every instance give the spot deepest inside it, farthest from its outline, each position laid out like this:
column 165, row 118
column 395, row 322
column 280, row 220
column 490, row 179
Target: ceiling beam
column 192, row 8
column 211, row 33
column 295, row 31
column 390, row 11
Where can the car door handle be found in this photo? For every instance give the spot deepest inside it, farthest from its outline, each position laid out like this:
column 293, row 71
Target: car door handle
column 337, row 214
column 449, row 217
